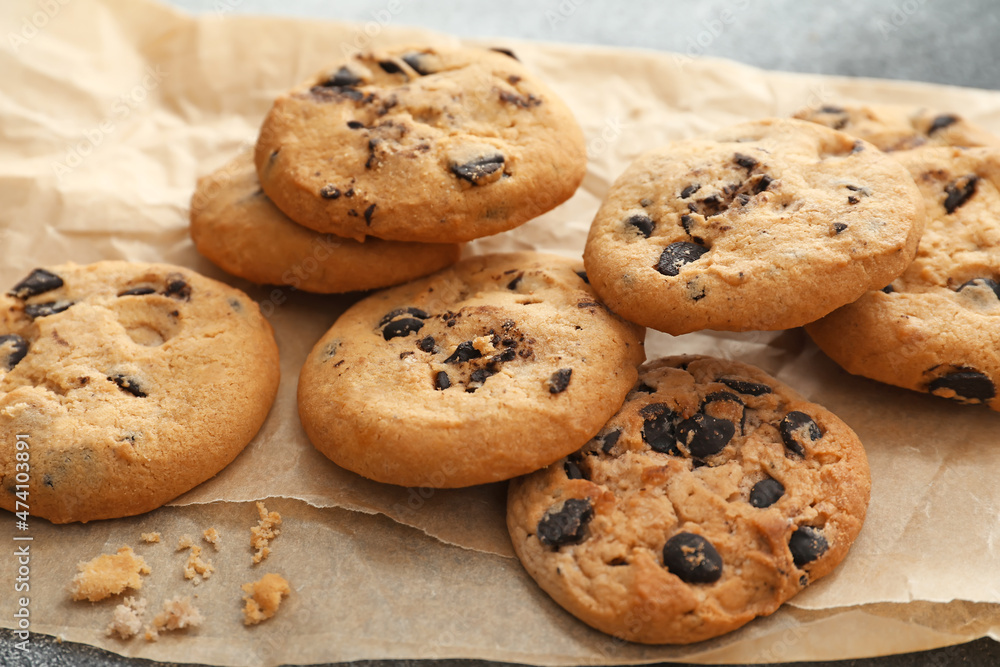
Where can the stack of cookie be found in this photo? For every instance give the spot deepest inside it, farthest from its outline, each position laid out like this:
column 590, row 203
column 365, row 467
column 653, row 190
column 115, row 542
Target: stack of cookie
column 374, row 171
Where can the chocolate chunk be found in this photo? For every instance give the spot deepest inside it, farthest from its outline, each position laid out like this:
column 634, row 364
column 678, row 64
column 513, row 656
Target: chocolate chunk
column 692, row 558
column 18, row 349
column 791, row 431
column 643, row 223
column 889, row 289
column 941, row 122
column 329, row 191
column 478, row 169
column 368, row 214
column 763, row 183
column 985, row 282
column 705, row 435
column 128, row 385
column 343, row 77
column 426, row 344
column 177, row 287
column 464, row 352
column 745, row 161
column 566, row 525
column 506, row 52
column 38, row 282
column 658, row 429
column 687, row 222
column 402, row 327
column 335, row 93
column 858, row 146
column 560, row 380
column 416, row 312
column 355, row 124
column 349, row 193
column 573, row 470
column 721, row 396
column 746, row 387
column 418, row 61
column 441, row 381
column 507, row 355
column 959, row 191
column 45, row 309
column 583, row 276
column 690, row 190
column 807, row 544
column 838, row 227
column 645, row 389
column 137, row 291
column 478, row 377
column 519, row 100
column 676, row 255
column 609, row 440
column 512, row 285
column 967, row 383
column 829, row 108
column 390, row 67
column 766, row 492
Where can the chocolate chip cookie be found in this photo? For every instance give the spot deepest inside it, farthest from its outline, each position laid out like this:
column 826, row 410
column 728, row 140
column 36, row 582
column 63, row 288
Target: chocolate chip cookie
column 715, row 494
column 766, row 225
column 428, row 144
column 235, row 225
column 898, row 128
column 490, row 369
column 129, row 384
column 936, row 328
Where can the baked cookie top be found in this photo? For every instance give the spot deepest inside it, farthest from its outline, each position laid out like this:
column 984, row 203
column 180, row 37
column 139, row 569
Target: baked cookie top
column 133, row 383
column 715, row 494
column 235, row 225
column 936, row 328
column 428, row 144
column 766, row 225
column 490, row 369
column 898, row 127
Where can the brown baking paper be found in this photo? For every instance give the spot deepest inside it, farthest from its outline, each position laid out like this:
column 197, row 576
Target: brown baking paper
column 111, row 109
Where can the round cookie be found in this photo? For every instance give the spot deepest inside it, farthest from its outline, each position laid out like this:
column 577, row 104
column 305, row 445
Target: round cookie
column 235, row 225
column 936, row 328
column 490, row 369
column 766, row 225
column 897, row 128
column 428, row 144
column 715, row 494
column 131, row 383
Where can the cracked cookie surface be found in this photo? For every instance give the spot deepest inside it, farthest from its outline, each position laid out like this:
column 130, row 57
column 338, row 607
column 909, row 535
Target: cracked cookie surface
column 766, row 225
column 715, row 494
column 133, row 383
column 492, row 368
column 428, row 144
column 235, row 225
column 936, row 328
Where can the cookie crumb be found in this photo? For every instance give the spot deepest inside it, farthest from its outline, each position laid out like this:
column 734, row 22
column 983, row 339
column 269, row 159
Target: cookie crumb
column 108, row 575
column 184, row 543
column 126, row 620
column 195, row 566
column 263, row 597
column 211, row 535
column 265, row 531
column 150, row 538
column 178, row 613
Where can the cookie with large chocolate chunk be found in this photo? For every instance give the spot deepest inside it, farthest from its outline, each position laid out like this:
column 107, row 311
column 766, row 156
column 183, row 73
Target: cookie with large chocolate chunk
column 428, row 144
column 766, row 225
column 490, row 369
column 893, row 127
column 123, row 385
column 235, row 225
column 715, row 494
column 936, row 328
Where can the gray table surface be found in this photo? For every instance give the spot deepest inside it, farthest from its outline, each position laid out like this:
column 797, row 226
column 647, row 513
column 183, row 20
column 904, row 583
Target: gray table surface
column 921, row 40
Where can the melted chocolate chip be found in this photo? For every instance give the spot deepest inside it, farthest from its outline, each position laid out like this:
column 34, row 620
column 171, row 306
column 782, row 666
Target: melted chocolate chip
column 721, row 396
column 889, row 289
column 416, row 312
column 390, row 67
column 791, row 431
column 464, row 352
column 18, row 349
column 512, row 285
column 355, row 124
column 583, row 276
column 402, row 327
column 342, row 78
column 476, row 170
column 506, row 52
column 838, row 227
column 177, row 287
column 959, row 191
column 766, row 492
column 35, row 310
column 137, row 291
column 609, row 440
column 645, row 388
column 519, row 100
column 690, row 190
column 336, row 93
column 692, row 558
column 829, row 108
column 128, row 385
column 746, row 387
column 418, row 61
column 984, row 282
column 807, row 544
column 941, row 122
column 368, row 214
column 643, row 223
column 560, row 380
column 478, row 377
column 329, row 191
column 763, row 183
column 38, row 282
column 968, row 384
column 426, row 344
column 573, row 470
column 441, row 381
column 567, row 525
column 676, row 255
column 705, row 435
column 658, row 429
column 745, row 161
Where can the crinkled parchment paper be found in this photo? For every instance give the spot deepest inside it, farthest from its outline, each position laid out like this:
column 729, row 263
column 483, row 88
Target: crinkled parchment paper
column 112, row 108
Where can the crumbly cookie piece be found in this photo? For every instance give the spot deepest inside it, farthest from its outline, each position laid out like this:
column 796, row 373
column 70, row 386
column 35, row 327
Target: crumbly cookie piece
column 126, row 620
column 263, row 597
column 487, row 370
column 898, row 128
column 428, row 144
column 766, row 225
column 211, row 535
column 178, row 613
column 134, row 382
column 936, row 328
column 150, row 538
column 715, row 494
column 235, row 225
column 107, row 575
column 195, row 566
column 261, row 535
